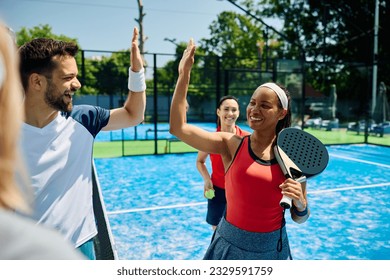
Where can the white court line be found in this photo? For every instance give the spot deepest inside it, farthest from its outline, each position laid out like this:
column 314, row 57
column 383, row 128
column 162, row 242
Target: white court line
column 156, row 208
column 351, row 188
column 360, row 160
column 203, row 203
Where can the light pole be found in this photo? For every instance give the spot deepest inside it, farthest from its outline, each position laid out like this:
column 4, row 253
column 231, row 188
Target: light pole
column 375, row 58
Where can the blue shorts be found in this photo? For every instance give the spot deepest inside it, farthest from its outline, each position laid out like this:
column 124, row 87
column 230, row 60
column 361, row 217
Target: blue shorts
column 216, row 207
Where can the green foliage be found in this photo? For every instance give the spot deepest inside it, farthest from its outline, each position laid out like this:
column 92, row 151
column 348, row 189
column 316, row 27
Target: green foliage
column 111, row 73
column 45, row 31
column 337, row 38
column 40, row 31
column 86, row 76
column 236, row 39
column 104, row 75
column 200, row 77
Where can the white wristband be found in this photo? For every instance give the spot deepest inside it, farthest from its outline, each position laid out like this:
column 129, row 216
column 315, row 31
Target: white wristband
column 137, row 80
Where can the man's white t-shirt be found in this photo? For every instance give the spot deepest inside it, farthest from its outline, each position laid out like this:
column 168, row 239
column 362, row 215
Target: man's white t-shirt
column 59, row 159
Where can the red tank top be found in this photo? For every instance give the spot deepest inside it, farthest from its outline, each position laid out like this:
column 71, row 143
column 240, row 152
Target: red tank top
column 218, row 169
column 252, row 191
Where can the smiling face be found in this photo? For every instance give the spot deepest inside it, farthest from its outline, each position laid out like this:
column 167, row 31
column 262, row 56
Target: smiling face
column 264, row 110
column 228, row 112
column 62, row 84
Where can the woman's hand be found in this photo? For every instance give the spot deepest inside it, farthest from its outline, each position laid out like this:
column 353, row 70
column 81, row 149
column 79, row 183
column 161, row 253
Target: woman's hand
column 295, row 191
column 187, row 60
column 208, row 185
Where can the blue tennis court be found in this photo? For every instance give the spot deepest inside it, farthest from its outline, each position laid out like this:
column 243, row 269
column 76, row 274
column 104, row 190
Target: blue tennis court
column 156, row 207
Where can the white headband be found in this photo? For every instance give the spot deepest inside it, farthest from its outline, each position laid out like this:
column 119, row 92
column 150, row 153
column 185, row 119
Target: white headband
column 2, row 70
column 279, row 92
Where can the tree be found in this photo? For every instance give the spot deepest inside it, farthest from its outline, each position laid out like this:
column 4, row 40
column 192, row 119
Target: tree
column 111, row 74
column 139, row 20
column 198, row 89
column 235, row 38
column 337, row 38
column 40, row 31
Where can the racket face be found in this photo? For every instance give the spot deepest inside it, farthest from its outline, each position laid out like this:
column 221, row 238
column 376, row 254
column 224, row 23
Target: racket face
column 305, row 150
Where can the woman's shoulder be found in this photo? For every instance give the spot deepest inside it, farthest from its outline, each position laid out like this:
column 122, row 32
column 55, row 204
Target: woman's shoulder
column 241, row 132
column 235, row 141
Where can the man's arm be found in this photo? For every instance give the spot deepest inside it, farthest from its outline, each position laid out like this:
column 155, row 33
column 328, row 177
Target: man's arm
column 133, row 111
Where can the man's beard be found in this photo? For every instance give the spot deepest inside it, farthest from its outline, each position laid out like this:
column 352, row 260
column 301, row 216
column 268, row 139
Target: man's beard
column 56, row 102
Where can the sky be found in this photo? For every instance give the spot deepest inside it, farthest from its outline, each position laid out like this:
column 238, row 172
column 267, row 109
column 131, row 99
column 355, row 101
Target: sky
column 107, row 25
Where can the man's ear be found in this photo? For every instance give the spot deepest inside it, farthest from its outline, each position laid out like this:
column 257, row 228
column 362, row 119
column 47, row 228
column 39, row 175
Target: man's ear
column 37, row 81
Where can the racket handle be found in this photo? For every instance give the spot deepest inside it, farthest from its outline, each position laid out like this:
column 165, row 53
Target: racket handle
column 285, row 202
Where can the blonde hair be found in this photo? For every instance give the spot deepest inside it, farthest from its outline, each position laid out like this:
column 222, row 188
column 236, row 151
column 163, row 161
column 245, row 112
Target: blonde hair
column 11, row 116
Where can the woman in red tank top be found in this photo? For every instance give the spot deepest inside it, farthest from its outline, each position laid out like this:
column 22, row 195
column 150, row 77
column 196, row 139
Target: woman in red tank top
column 254, row 225
column 228, row 113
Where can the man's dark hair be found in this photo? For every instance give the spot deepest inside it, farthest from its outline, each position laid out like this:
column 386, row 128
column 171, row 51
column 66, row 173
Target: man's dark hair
column 37, row 55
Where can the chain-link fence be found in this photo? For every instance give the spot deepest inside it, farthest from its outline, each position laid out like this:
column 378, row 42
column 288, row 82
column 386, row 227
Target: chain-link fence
column 341, row 114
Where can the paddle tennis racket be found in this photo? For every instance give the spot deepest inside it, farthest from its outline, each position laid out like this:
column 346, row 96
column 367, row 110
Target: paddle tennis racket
column 300, row 155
